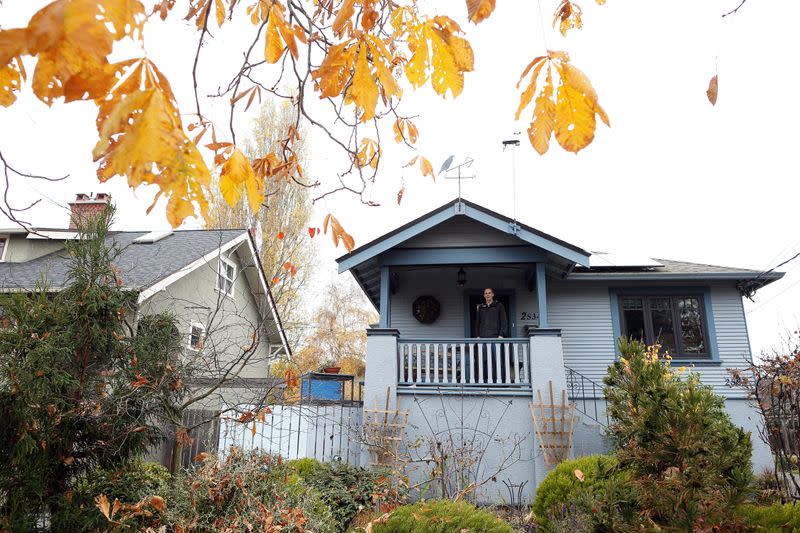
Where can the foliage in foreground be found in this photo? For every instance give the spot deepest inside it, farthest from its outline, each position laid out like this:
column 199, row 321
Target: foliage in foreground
column 134, row 483
column 78, row 391
column 345, row 489
column 592, row 487
column 776, row 518
column 245, row 490
column 442, row 516
column 689, row 463
column 773, row 384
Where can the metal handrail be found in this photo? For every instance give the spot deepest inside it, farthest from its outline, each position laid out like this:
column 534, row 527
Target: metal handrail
column 578, row 387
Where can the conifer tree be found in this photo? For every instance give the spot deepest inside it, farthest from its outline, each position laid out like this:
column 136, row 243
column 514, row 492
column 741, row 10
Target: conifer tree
column 82, row 385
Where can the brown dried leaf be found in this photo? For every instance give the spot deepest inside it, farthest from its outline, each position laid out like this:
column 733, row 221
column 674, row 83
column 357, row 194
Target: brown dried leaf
column 712, row 90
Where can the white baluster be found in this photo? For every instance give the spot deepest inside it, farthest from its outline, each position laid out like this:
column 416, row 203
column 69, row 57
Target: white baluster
column 463, row 366
column 419, row 363
column 427, row 363
column 471, row 363
column 516, row 362
column 526, row 377
column 489, row 362
column 507, row 364
column 436, row 363
column 498, row 348
column 452, row 356
column 480, row 363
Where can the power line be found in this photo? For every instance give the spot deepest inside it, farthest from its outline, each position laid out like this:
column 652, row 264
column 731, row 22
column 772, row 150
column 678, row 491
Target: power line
column 768, row 301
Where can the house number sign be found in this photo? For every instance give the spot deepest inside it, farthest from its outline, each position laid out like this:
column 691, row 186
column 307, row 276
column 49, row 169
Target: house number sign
column 527, row 315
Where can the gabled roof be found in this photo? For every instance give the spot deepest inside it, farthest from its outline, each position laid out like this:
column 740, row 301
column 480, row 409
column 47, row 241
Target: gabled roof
column 141, row 265
column 149, row 267
column 452, row 209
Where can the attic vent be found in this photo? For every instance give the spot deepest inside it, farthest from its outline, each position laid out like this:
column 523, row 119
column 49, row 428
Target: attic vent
column 153, row 236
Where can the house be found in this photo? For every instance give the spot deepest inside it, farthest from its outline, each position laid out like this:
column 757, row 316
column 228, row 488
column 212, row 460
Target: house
column 566, row 309
column 212, row 282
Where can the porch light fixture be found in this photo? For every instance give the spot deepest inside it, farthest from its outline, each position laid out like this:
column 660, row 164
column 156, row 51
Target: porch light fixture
column 462, row 277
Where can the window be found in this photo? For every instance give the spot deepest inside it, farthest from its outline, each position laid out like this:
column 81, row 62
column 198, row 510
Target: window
column 226, row 275
column 197, row 336
column 3, row 247
column 677, row 322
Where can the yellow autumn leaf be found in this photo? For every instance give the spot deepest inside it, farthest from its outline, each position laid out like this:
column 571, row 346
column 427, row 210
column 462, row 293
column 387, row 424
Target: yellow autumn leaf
column 71, row 39
column 141, row 137
column 369, row 153
column 220, row 12
column 479, row 10
column 363, row 89
column 426, row 168
column 405, row 130
column 11, row 77
column 567, row 17
column 544, row 116
column 279, row 35
column 572, row 116
column 346, row 11
column 338, row 233
column 236, row 177
column 438, row 54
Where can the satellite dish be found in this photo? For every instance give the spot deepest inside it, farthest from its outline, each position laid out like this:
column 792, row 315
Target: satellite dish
column 446, row 164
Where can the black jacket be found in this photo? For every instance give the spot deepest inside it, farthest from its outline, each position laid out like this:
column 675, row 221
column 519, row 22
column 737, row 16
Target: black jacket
column 492, row 320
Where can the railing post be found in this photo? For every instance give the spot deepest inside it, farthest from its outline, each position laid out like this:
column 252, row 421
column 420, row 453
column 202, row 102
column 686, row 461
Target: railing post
column 382, row 367
column 546, row 365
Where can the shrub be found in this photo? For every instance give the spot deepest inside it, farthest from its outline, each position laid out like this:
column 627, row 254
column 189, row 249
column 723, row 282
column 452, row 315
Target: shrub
column 689, row 463
column 775, row 518
column 246, row 490
column 130, row 484
column 442, row 516
column 305, row 466
column 346, row 489
column 605, row 494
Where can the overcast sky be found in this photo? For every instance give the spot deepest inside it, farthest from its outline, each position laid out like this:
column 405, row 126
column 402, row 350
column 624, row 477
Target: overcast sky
column 672, row 178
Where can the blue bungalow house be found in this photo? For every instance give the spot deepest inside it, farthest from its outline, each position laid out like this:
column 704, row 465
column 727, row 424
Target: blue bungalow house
column 566, row 307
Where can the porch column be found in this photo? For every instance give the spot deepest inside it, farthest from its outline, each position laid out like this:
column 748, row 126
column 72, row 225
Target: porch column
column 382, row 368
column 385, row 296
column 541, row 293
column 547, row 365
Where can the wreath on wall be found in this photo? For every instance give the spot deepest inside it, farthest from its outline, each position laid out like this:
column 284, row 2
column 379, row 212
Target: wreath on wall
column 426, row 309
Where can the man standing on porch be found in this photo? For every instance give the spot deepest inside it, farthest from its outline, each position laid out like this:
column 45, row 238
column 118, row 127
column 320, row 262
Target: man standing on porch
column 492, row 320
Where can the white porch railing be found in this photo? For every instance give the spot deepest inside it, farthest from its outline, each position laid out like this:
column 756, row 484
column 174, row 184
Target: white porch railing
column 469, row 362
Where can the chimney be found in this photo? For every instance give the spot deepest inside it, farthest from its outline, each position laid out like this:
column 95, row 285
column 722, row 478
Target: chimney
column 86, row 207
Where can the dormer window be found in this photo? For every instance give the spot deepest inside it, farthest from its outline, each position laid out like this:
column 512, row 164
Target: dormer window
column 226, row 276
column 197, row 336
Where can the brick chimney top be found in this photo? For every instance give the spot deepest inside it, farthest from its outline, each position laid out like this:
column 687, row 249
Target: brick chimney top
column 87, row 206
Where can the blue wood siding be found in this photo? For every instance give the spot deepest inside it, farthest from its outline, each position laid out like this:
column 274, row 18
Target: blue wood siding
column 584, row 313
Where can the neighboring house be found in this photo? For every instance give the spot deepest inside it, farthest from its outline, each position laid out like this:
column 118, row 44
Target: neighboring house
column 211, row 281
column 566, row 309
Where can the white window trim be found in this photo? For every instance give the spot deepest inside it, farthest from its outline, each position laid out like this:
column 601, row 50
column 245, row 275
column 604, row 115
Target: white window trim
column 7, row 238
column 226, row 262
column 202, row 339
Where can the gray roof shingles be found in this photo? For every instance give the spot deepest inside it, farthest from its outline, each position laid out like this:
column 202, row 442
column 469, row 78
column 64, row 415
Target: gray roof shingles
column 140, row 265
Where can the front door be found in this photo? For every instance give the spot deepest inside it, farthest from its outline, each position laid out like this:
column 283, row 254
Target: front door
column 506, row 297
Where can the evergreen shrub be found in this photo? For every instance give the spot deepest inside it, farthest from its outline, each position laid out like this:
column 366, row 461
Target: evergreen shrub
column 601, row 492
column 689, row 463
column 442, row 516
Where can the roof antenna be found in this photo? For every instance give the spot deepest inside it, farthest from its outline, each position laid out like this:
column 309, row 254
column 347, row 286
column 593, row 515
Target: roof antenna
column 448, row 166
column 512, row 144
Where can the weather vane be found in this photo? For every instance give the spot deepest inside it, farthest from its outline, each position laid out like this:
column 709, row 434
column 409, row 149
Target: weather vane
column 448, row 167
